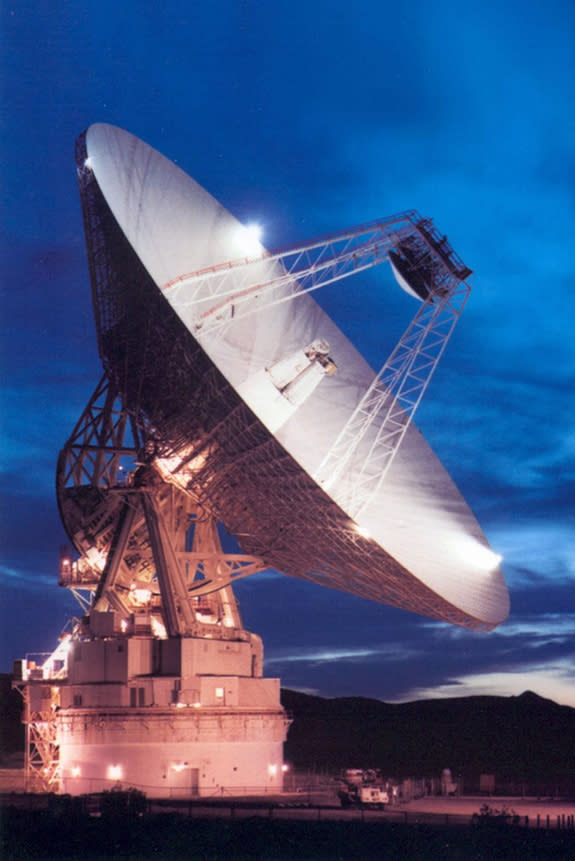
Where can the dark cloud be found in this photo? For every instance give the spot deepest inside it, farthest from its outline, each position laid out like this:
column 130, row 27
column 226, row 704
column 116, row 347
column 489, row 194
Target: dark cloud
column 354, row 647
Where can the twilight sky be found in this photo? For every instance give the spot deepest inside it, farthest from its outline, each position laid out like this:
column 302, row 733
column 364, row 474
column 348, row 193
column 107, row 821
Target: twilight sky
column 309, row 117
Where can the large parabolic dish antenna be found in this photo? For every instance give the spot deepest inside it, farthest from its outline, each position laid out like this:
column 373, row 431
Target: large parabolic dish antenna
column 248, row 397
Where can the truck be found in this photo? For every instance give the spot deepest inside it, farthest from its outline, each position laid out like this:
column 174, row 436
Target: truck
column 363, row 788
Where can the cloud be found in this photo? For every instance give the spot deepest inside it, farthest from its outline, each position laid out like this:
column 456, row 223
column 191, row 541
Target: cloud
column 328, row 120
column 544, row 627
column 555, row 681
column 535, row 551
column 515, row 467
column 394, row 655
column 327, row 654
column 20, row 578
column 37, row 419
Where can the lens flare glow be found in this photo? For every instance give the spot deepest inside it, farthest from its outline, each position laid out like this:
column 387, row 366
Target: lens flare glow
column 248, row 240
column 476, row 554
column 114, row 772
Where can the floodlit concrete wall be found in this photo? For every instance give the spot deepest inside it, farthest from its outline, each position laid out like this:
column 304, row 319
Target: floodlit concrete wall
column 110, row 660
column 214, row 726
column 261, row 692
column 216, row 657
column 98, row 661
column 196, row 691
column 93, row 696
column 140, row 656
column 221, row 752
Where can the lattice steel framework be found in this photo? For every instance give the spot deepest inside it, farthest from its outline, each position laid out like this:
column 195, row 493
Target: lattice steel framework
column 149, row 468
column 133, row 529
column 209, row 443
column 42, row 758
column 221, row 292
column 292, row 272
column 390, row 402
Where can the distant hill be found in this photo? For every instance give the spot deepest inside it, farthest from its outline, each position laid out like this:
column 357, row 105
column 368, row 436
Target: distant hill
column 517, row 738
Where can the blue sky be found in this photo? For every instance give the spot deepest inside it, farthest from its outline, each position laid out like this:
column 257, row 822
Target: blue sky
column 309, row 117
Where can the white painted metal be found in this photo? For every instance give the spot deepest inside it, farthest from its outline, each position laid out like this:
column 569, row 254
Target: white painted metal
column 417, row 515
column 222, row 292
column 391, row 401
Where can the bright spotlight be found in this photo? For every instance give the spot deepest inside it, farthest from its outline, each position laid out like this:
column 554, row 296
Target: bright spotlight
column 479, row 555
column 362, row 530
column 66, row 645
column 114, row 772
column 140, row 596
column 248, row 240
column 485, row 557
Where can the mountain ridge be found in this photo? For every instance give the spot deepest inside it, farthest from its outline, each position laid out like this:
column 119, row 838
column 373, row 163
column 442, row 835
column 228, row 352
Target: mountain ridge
column 524, row 737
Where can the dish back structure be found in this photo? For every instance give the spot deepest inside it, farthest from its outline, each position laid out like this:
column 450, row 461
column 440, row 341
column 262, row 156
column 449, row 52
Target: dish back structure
column 229, row 395
column 188, row 339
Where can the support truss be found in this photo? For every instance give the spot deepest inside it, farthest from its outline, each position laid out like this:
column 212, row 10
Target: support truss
column 104, row 436
column 146, row 546
column 226, row 291
column 388, row 406
column 220, row 293
column 42, row 755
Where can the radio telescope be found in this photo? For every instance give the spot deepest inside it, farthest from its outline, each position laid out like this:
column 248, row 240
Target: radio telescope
column 230, row 397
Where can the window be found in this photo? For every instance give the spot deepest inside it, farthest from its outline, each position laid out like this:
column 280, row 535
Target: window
column 137, row 697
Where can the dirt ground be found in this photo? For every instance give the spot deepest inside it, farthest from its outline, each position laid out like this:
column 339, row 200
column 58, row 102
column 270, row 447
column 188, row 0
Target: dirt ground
column 12, row 780
column 467, row 805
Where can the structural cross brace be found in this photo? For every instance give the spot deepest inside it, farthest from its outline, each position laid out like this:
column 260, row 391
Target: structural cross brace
column 219, row 295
